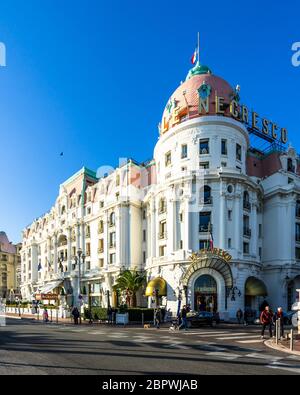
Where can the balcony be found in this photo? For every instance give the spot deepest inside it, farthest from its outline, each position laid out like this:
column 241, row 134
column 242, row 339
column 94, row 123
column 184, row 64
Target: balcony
column 162, row 235
column 162, row 209
column 246, row 205
column 100, row 230
column 111, row 224
column 112, row 245
column 100, row 250
column 206, row 200
column 247, row 231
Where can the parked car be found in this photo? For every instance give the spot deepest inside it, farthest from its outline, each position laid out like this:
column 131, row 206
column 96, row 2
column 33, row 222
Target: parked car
column 203, row 318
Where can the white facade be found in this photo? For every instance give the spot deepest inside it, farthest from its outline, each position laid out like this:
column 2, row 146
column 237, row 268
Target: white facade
column 153, row 216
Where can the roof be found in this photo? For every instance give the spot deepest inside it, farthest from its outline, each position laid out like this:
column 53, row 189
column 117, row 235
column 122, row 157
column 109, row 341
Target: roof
column 6, row 245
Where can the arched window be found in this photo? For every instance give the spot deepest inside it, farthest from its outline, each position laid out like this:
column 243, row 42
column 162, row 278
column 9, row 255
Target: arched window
column 290, row 166
column 112, row 219
column 246, row 201
column 162, row 205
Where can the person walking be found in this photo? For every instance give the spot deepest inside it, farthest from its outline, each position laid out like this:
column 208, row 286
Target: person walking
column 45, row 315
column 110, row 315
column 239, row 316
column 266, row 319
column 157, row 318
column 75, row 313
column 183, row 318
column 280, row 315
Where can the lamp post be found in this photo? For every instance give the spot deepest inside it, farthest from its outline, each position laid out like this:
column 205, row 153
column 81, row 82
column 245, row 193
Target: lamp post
column 79, row 258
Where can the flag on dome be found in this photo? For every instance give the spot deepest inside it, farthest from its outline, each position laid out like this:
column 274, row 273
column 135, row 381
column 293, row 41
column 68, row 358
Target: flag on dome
column 194, row 57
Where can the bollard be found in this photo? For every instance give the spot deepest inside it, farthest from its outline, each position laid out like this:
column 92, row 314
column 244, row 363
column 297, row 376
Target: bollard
column 51, row 315
column 292, row 340
column 57, row 316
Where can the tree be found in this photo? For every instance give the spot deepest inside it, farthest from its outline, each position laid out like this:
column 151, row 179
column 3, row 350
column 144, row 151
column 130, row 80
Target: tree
column 130, row 282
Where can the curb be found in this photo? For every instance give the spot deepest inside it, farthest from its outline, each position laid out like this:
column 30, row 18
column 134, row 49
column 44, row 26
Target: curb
column 270, row 344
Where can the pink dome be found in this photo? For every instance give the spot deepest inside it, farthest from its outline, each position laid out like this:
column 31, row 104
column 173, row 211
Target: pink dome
column 184, row 103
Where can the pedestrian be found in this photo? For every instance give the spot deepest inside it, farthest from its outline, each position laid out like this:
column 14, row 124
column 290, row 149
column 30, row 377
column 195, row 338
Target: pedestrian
column 188, row 308
column 75, row 313
column 183, row 318
column 163, row 315
column 239, row 316
column 110, row 315
column 266, row 319
column 45, row 315
column 157, row 318
column 280, row 315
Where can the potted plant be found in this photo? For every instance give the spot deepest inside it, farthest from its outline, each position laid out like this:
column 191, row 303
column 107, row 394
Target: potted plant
column 122, row 316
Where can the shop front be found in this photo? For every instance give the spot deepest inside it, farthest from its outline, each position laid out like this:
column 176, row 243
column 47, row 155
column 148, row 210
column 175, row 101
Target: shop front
column 255, row 293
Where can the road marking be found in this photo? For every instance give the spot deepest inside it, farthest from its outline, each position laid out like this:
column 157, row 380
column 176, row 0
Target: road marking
column 209, row 334
column 250, row 341
column 283, row 366
column 176, row 345
column 223, row 355
column 210, row 347
column 237, row 337
column 263, row 356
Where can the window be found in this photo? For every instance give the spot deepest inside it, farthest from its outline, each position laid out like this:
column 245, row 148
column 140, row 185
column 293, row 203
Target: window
column 204, row 165
column 260, row 252
column 112, row 258
column 203, row 245
column 168, row 158
column 246, row 248
column 144, row 256
column 144, row 214
column 223, row 147
column 101, row 262
column 247, row 230
column 206, row 195
column 229, row 243
column 88, row 249
column 144, row 235
column 238, row 152
column 101, row 204
column 89, row 210
column 184, row 168
column 117, row 180
column 112, row 239
column 162, row 230
column 181, row 244
column 162, row 250
column 297, row 253
column 162, row 205
column 112, row 219
column 246, row 201
column 223, row 164
column 184, row 151
column 204, row 146
column 229, row 215
column 100, row 227
column 204, row 221
column 260, row 231
column 298, row 232
column 298, row 209
column 290, row 166
column 180, row 217
column 100, row 246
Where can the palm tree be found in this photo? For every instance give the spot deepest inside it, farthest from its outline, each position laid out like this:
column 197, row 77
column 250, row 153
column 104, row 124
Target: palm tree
column 130, row 282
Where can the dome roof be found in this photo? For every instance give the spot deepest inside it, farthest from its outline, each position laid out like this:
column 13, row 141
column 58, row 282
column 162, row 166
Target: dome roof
column 184, row 103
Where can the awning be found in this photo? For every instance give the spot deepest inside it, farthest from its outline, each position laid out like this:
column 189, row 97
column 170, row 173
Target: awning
column 50, row 286
column 158, row 284
column 255, row 287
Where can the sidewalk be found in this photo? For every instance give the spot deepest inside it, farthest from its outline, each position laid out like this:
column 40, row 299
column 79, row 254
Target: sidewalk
column 284, row 345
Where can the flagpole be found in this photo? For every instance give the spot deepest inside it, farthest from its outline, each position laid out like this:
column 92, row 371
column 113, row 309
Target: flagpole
column 198, row 47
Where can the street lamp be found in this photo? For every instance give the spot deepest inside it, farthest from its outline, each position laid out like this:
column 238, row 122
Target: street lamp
column 79, row 258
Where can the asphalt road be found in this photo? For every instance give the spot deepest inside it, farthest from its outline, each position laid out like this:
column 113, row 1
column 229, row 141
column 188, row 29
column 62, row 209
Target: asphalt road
column 28, row 347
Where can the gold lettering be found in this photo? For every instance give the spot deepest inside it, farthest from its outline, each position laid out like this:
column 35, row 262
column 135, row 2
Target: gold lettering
column 234, row 109
column 265, row 124
column 274, row 128
column 245, row 114
column 219, row 104
column 283, row 137
column 254, row 120
column 203, row 105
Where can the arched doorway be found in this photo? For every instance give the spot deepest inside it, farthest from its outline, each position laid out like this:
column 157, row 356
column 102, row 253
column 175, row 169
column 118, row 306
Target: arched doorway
column 292, row 294
column 206, row 294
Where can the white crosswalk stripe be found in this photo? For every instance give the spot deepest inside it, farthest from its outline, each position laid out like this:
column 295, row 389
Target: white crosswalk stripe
column 223, row 355
column 285, row 367
column 250, row 341
column 237, row 337
column 267, row 357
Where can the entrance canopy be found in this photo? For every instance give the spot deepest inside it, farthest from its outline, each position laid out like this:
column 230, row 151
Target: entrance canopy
column 255, row 287
column 158, row 284
column 211, row 260
column 50, row 286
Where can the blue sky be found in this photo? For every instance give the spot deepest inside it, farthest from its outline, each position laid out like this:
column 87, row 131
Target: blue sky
column 91, row 78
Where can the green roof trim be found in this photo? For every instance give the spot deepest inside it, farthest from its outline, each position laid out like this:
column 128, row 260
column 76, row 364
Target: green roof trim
column 84, row 171
column 198, row 70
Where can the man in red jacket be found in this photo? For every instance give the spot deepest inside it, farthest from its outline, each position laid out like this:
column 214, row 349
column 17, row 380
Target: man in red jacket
column 266, row 319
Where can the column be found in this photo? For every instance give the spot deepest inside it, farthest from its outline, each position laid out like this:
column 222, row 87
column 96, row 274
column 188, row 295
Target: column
column 222, row 232
column 186, row 232
column 171, row 225
column 118, row 236
column 153, row 234
column 55, row 254
column 237, row 223
column 49, row 266
column 254, row 229
column 105, row 240
column 69, row 249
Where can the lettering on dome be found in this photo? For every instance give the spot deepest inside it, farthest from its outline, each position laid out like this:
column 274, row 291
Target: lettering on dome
column 210, row 103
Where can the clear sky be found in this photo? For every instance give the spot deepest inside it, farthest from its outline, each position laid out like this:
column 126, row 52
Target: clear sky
column 91, row 78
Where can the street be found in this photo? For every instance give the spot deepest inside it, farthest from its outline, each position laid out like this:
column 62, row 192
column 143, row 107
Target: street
column 30, row 347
